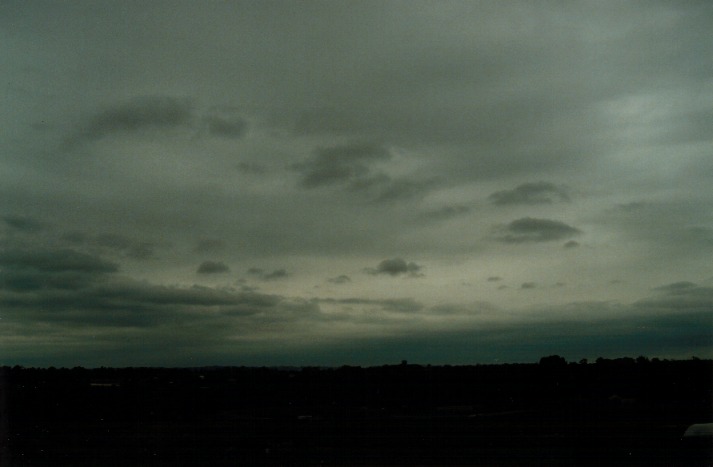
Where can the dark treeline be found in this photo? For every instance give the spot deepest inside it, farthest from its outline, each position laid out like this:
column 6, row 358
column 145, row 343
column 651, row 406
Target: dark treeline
column 559, row 413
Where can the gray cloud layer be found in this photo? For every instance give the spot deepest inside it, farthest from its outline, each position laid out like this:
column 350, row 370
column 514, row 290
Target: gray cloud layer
column 139, row 141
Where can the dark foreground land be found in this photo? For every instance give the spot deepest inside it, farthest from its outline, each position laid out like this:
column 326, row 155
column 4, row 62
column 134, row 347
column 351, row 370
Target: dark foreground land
column 612, row 412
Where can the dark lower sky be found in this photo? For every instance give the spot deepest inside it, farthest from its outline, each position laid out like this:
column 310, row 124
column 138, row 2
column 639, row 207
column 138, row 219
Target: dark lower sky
column 356, row 182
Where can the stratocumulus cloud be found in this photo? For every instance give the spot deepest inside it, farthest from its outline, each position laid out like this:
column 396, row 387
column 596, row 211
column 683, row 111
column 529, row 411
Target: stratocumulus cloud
column 143, row 113
column 235, row 182
column 212, row 267
column 395, row 267
column 341, row 164
column 531, row 193
column 527, row 230
column 226, row 122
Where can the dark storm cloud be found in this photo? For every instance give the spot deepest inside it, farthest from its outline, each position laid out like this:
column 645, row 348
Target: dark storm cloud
column 629, row 334
column 662, row 325
column 384, row 105
column 226, row 122
column 494, row 279
column 112, row 243
column 400, row 189
column 679, row 297
column 132, row 303
column 212, row 267
column 32, row 279
column 677, row 287
column 129, row 247
column 531, row 193
column 55, row 261
column 342, row 279
column 341, row 164
column 142, row 113
column 471, row 309
column 400, row 305
column 396, row 266
column 276, row 274
column 528, row 229
column 677, row 225
column 72, row 287
column 268, row 276
column 528, row 285
column 447, row 212
column 23, row 223
column 144, row 293
column 656, row 326
column 25, row 270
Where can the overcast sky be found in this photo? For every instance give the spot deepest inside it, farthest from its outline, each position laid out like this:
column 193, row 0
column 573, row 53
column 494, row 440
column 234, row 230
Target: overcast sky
column 354, row 182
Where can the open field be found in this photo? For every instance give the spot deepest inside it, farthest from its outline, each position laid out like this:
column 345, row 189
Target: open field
column 608, row 413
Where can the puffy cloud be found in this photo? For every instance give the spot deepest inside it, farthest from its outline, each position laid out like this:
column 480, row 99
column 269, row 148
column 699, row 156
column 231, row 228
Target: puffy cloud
column 342, row 279
column 23, row 223
column 528, row 229
column 151, row 113
column 396, row 266
column 531, row 193
column 141, row 113
column 225, row 122
column 400, row 305
column 468, row 310
column 341, row 164
column 267, row 276
column 276, row 274
column 256, row 271
column 212, row 267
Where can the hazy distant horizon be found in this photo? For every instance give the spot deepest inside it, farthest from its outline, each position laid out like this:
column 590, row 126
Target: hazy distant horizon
column 355, row 182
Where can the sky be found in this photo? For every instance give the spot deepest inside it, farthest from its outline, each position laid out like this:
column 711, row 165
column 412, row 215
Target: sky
column 354, row 182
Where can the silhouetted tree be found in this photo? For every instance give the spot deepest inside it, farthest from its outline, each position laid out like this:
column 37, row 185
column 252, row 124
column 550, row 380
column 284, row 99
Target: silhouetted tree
column 553, row 361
